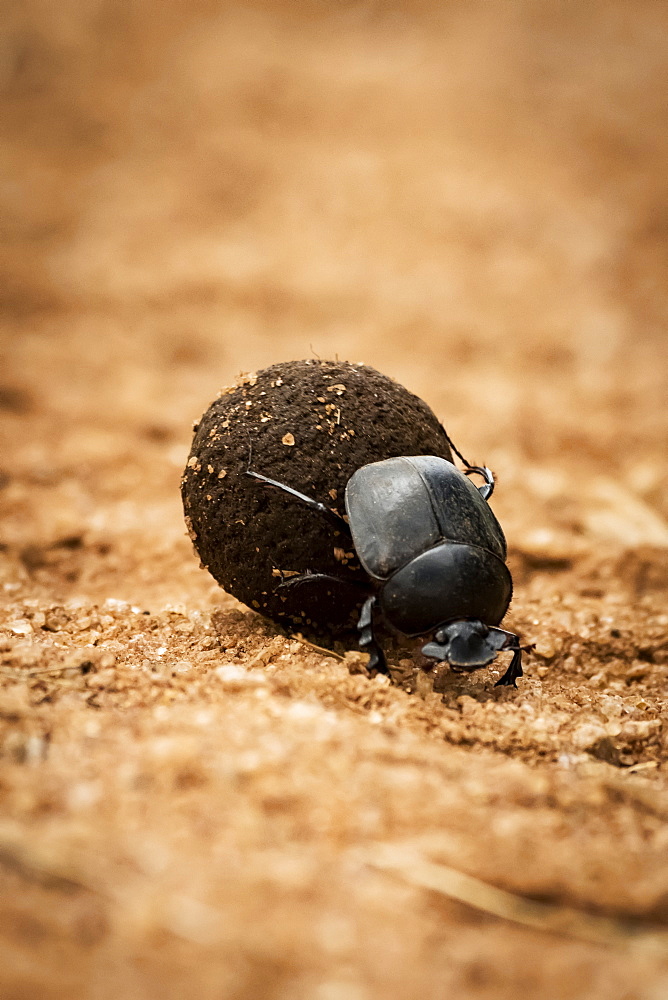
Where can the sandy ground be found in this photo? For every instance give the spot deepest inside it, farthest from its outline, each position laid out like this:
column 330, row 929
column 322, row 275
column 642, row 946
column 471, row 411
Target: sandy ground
column 471, row 198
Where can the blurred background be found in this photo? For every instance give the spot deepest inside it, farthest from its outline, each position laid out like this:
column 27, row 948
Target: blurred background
column 469, row 196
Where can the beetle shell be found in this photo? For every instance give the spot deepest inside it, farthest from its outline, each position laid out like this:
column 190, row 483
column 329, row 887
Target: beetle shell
column 450, row 581
column 401, row 507
column 421, row 526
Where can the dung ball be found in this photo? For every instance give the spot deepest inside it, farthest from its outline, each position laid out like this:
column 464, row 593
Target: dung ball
column 309, row 425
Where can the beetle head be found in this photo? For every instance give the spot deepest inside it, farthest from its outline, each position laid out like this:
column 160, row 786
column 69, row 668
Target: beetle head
column 466, row 645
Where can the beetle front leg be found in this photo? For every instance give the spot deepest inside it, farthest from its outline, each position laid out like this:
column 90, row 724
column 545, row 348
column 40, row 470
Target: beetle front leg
column 367, row 640
column 513, row 672
column 515, row 668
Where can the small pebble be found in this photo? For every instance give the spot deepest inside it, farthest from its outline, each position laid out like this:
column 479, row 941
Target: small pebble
column 20, row 627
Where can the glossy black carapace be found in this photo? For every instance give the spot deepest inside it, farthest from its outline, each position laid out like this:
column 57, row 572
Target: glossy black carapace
column 434, row 554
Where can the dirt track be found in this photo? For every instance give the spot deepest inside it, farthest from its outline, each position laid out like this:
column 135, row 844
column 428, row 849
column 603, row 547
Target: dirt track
column 470, row 198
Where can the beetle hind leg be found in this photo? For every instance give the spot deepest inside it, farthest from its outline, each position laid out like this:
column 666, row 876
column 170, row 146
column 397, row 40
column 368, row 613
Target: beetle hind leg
column 335, row 519
column 367, row 640
column 320, row 580
column 330, row 604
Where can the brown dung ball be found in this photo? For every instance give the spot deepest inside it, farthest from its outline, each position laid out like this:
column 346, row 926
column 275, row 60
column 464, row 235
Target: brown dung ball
column 309, row 425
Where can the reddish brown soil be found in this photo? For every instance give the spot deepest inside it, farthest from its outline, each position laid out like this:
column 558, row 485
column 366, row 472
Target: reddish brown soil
column 471, row 198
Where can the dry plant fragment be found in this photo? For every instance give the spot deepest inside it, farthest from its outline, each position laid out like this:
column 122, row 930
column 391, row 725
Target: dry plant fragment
column 318, row 649
column 553, row 918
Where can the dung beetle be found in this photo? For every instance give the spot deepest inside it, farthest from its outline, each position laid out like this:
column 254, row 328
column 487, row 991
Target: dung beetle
column 435, row 558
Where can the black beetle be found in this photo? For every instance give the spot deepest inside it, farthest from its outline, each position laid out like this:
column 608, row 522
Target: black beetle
column 435, row 556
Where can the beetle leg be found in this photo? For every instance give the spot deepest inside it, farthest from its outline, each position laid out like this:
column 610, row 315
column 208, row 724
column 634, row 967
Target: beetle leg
column 513, row 672
column 367, row 640
column 332, row 601
column 487, row 487
column 515, row 668
column 321, row 578
column 332, row 516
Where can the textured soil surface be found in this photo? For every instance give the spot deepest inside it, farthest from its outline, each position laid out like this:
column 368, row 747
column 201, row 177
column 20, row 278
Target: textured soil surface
column 470, row 197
